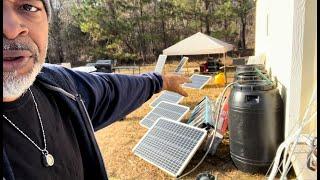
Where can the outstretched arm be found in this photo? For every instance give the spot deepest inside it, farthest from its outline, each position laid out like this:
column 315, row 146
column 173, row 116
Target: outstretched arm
column 110, row 97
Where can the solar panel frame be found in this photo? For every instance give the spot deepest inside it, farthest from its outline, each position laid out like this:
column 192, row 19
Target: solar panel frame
column 202, row 113
column 193, row 83
column 160, row 63
column 183, row 61
column 154, row 103
column 143, row 122
column 188, row 158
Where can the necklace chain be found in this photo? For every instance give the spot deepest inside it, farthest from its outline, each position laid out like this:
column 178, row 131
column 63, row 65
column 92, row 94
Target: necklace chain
column 44, row 150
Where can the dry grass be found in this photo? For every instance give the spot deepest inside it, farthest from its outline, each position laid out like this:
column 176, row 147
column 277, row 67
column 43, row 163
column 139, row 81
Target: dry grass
column 117, row 141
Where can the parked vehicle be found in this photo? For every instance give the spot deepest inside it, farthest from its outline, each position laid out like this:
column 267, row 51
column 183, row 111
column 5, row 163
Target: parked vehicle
column 104, row 65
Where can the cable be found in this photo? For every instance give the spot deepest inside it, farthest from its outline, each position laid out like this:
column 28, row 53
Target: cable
column 263, row 76
column 214, row 132
column 293, row 134
column 285, row 170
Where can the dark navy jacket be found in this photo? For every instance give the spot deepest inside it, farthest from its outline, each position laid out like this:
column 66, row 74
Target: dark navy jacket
column 96, row 100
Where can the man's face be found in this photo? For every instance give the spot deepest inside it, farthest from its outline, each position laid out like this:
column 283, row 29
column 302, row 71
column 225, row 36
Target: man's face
column 25, row 40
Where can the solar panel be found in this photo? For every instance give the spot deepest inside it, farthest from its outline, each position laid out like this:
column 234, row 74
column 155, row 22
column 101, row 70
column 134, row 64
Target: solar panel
column 164, row 109
column 181, row 64
column 167, row 96
column 160, row 63
column 198, row 81
column 216, row 141
column 202, row 113
column 170, row 145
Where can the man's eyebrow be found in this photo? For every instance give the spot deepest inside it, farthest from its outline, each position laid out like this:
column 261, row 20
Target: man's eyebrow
column 31, row 1
column 37, row 1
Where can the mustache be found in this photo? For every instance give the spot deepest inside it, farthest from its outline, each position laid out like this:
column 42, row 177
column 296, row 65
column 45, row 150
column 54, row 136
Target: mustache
column 20, row 44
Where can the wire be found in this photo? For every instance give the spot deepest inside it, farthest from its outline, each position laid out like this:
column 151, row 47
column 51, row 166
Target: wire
column 285, row 170
column 214, row 131
column 293, row 135
column 263, row 76
column 285, row 144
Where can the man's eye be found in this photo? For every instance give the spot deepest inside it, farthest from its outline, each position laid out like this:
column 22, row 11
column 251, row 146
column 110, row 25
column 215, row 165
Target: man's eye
column 28, row 7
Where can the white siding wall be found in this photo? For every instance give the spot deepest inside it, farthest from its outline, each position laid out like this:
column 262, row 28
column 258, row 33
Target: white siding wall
column 286, row 33
column 309, row 69
column 274, row 31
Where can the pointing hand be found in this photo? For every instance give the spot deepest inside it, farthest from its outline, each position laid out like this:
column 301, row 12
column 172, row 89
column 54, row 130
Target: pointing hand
column 172, row 82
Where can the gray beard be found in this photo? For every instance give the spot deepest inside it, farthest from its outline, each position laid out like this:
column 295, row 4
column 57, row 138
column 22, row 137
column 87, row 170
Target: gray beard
column 15, row 85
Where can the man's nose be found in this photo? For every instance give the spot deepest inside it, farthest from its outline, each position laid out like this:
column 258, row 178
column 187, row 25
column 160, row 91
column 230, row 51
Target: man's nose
column 13, row 25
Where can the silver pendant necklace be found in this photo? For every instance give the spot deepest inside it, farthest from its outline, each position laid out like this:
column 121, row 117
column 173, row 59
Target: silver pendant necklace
column 47, row 158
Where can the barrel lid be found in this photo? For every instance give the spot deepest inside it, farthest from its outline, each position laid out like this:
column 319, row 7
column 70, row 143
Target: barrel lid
column 245, row 66
column 254, row 85
column 251, row 73
column 246, row 78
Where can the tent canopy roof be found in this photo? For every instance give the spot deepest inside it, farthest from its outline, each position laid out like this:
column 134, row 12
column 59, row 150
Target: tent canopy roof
column 197, row 44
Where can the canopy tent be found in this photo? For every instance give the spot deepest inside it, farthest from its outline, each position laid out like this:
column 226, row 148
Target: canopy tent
column 197, row 44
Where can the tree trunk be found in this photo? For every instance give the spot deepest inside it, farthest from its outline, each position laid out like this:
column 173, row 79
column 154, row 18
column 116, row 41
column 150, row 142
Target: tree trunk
column 57, row 38
column 142, row 32
column 113, row 16
column 207, row 22
column 225, row 29
column 207, row 25
column 164, row 36
column 131, row 49
column 163, row 26
column 201, row 29
column 243, row 33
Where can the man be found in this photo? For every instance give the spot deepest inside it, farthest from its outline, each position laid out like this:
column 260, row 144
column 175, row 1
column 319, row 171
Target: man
column 50, row 113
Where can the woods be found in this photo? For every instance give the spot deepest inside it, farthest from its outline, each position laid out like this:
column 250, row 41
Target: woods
column 138, row 30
